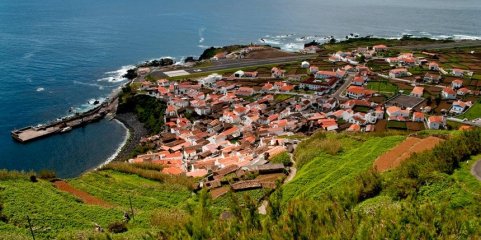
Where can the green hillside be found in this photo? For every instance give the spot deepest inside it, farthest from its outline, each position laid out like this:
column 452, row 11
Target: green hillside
column 57, row 213
column 327, row 171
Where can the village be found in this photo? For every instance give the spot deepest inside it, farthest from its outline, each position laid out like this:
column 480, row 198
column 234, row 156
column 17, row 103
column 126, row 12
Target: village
column 226, row 128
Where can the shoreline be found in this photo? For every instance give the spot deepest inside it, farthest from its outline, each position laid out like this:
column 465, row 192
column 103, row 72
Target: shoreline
column 119, row 148
column 136, row 131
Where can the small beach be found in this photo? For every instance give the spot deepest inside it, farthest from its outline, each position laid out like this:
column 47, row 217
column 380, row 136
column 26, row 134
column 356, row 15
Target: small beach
column 136, row 131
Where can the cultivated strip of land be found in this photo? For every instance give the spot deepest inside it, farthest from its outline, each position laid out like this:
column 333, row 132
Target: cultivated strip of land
column 403, row 151
column 84, row 196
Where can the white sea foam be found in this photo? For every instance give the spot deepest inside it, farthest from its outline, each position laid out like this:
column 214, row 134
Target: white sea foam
column 201, row 34
column 162, row 57
column 119, row 148
column 89, row 84
column 292, row 47
column 117, row 75
column 202, row 46
column 466, row 37
column 269, row 41
column 40, row 89
column 28, row 55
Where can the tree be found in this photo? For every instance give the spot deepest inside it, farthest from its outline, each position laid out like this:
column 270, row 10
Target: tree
column 361, row 59
column 429, row 101
column 437, row 100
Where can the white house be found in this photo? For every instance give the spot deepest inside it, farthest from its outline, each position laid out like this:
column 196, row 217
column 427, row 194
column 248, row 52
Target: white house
column 218, row 56
column 417, row 92
column 463, row 91
column 210, row 79
column 433, row 66
column 325, row 74
column 457, row 83
column 418, row 117
column 457, row 72
column 436, row 122
column 379, row 48
column 355, row 92
column 277, row 73
column 239, row 74
column 459, row 107
column 448, row 93
column 358, row 81
column 398, row 72
column 395, row 112
column 431, row 78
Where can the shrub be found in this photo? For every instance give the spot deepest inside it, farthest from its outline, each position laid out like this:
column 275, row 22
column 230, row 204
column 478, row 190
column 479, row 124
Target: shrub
column 283, row 158
column 117, row 227
column 46, row 174
column 169, row 220
column 33, row 178
column 369, row 185
column 8, row 174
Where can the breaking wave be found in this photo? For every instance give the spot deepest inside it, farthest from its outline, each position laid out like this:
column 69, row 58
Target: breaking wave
column 294, row 42
column 117, row 75
column 100, row 87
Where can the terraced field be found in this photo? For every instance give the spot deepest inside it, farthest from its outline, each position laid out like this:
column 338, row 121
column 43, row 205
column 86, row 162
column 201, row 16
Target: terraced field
column 326, row 171
column 116, row 188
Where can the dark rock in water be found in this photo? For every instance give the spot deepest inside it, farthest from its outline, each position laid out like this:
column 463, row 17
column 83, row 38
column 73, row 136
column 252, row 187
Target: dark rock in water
column 158, row 63
column 190, row 59
column 96, row 102
column 313, row 43
column 131, row 74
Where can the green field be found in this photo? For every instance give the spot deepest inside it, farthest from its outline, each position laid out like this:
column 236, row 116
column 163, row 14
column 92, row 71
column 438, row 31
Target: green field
column 396, row 125
column 382, row 87
column 472, row 113
column 326, row 172
column 282, row 97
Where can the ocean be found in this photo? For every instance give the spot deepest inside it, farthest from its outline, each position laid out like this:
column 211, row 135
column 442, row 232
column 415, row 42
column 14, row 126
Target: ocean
column 57, row 54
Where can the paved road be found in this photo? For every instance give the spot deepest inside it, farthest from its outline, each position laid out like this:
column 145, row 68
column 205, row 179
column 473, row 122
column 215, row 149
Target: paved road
column 476, row 170
column 463, row 43
column 241, row 63
column 464, row 122
column 342, row 88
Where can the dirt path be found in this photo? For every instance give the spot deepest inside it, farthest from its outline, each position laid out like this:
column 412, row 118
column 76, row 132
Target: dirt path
column 84, row 196
column 262, row 209
column 293, row 171
column 476, row 170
